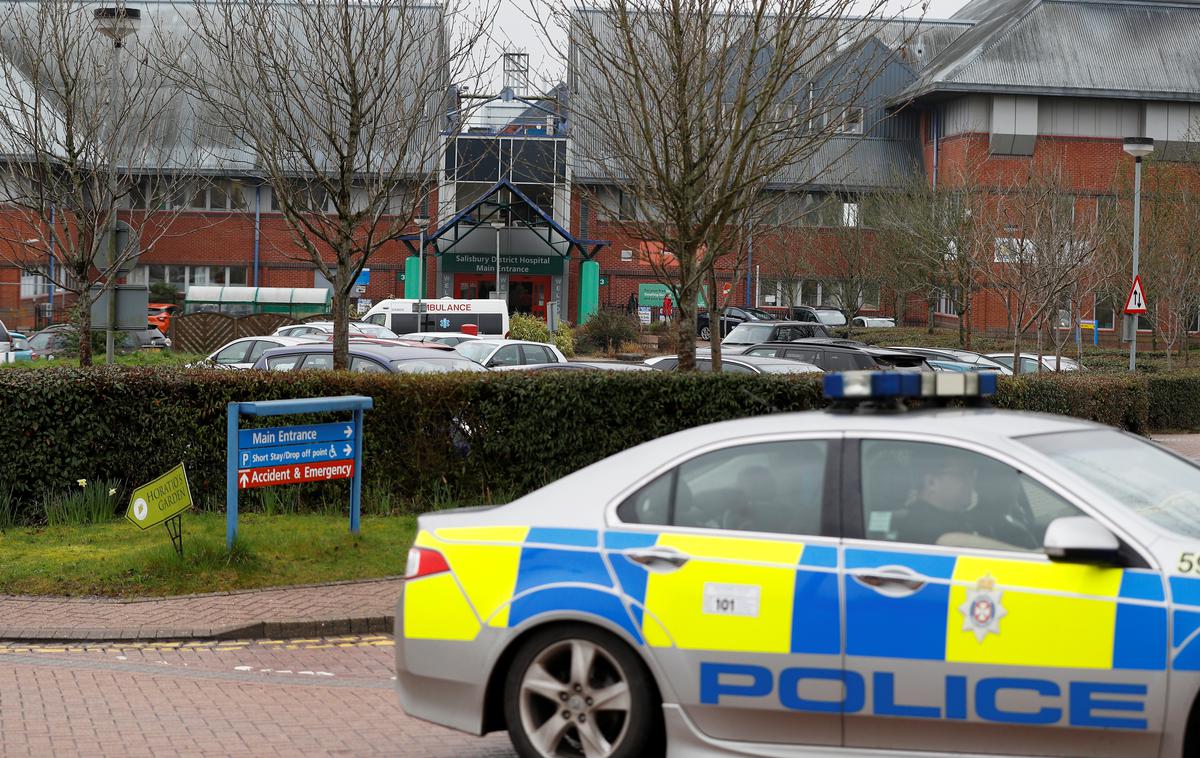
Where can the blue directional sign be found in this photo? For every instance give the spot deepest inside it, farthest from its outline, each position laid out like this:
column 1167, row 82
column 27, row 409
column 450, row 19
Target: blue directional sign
column 277, row 436
column 293, row 454
column 258, row 457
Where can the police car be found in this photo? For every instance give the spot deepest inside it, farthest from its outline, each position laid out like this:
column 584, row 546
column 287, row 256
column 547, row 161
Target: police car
column 859, row 581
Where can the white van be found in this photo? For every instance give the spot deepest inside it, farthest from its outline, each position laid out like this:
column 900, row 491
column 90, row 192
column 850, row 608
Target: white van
column 441, row 315
column 6, row 345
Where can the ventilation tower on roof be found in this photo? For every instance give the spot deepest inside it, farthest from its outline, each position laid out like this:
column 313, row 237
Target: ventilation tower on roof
column 516, row 72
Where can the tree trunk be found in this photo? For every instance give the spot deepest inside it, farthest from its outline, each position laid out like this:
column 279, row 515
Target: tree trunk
column 715, row 311
column 84, row 322
column 930, row 306
column 962, row 328
column 1016, row 337
column 901, row 303
column 341, row 320
column 685, row 328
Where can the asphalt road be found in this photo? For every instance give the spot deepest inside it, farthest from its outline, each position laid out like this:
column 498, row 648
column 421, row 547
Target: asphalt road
column 308, row 697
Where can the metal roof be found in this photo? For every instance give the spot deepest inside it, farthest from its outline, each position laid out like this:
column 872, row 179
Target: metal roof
column 1134, row 49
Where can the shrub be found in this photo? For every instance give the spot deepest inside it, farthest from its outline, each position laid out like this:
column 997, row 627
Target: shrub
column 605, row 332
column 564, row 339
column 525, row 327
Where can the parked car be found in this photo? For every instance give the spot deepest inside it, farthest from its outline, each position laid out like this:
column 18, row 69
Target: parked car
column 752, row 333
column 1029, row 362
column 493, row 353
column 152, row 339
column 244, row 352
column 827, row 357
column 820, row 314
column 730, row 318
column 366, row 357
column 322, row 328
column 897, row 360
column 442, row 338
column 18, row 349
column 954, row 354
column 58, row 340
column 873, row 322
column 739, row 364
column 5, row 339
column 576, row 366
column 159, row 315
column 957, row 367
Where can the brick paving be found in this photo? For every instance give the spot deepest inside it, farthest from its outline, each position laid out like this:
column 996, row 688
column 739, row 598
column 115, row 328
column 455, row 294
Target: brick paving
column 337, row 608
column 1185, row 444
column 309, row 697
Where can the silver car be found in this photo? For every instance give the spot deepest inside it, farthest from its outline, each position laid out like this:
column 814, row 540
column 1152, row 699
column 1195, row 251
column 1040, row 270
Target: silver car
column 941, row 581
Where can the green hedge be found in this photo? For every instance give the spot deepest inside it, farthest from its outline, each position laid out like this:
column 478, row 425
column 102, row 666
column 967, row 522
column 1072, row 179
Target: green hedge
column 449, row 438
column 429, row 438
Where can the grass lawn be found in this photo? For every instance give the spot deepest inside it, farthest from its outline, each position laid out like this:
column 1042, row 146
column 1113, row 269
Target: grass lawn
column 117, row 559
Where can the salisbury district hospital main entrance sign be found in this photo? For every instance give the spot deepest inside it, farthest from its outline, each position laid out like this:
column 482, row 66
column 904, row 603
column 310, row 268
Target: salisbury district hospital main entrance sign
column 294, row 454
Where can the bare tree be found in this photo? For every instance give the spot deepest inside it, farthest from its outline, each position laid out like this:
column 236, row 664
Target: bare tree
column 338, row 105
column 939, row 239
column 693, row 109
column 1042, row 249
column 84, row 126
column 1170, row 259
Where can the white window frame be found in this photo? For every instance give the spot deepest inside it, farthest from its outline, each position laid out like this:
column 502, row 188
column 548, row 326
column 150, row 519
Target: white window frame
column 852, row 120
column 945, row 304
column 1012, row 249
column 850, row 215
column 34, row 284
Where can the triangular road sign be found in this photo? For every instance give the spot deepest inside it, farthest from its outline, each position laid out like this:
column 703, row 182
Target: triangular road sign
column 1136, row 303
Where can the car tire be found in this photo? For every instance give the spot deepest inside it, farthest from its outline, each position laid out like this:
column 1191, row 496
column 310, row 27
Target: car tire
column 545, row 721
column 705, row 333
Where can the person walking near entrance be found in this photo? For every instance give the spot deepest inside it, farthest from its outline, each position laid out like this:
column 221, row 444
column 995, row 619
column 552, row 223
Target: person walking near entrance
column 666, row 307
column 631, row 306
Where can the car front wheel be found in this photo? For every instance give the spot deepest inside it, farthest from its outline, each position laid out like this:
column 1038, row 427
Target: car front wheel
column 705, row 333
column 579, row 691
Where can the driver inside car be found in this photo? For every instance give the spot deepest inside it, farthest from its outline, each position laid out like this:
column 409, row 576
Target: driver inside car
column 957, row 504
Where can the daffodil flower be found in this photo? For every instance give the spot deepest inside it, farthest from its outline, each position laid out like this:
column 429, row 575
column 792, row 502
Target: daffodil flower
column 81, row 482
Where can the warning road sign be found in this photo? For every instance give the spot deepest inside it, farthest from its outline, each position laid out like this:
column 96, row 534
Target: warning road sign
column 1136, row 303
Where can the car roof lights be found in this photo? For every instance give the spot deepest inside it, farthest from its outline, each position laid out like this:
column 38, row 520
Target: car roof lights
column 899, row 385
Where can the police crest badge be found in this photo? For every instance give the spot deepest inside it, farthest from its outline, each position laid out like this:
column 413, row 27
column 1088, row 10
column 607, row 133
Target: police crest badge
column 982, row 611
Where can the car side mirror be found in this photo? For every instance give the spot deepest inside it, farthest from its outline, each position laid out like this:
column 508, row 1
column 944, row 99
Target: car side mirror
column 1081, row 539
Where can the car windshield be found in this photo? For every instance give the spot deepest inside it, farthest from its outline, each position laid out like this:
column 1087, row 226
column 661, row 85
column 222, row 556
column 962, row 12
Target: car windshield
column 1166, row 489
column 476, row 351
column 748, row 334
column 373, row 330
column 831, row 317
column 435, row 365
column 762, row 315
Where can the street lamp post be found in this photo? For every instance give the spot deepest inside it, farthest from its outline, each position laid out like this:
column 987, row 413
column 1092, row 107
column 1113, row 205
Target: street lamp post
column 116, row 23
column 498, row 224
column 1138, row 147
column 422, row 223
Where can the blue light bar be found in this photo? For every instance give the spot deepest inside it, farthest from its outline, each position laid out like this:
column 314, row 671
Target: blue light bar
column 884, row 385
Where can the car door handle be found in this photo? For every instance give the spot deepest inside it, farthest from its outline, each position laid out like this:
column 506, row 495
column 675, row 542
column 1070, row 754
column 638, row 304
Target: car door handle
column 658, row 558
column 893, row 581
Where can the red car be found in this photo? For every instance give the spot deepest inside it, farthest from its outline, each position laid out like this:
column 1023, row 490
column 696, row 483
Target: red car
column 159, row 316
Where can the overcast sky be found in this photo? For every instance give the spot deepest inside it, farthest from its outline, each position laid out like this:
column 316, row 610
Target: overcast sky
column 514, row 30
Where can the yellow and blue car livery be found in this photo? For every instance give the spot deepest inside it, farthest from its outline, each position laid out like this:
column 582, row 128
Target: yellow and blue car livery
column 781, row 644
